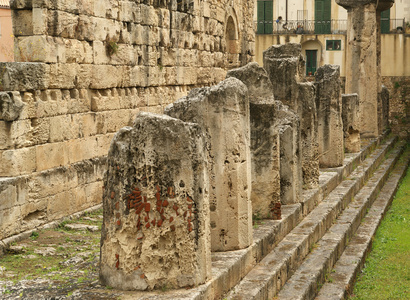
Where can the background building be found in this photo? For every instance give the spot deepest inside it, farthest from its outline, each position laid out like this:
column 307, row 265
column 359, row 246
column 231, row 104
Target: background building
column 320, row 26
column 6, row 32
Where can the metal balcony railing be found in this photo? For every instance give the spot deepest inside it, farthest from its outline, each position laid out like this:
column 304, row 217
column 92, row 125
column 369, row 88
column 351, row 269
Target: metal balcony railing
column 321, row 27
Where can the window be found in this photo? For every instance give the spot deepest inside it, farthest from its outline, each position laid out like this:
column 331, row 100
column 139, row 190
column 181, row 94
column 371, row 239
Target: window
column 311, row 62
column 322, row 16
column 334, row 45
column 265, row 17
column 385, row 21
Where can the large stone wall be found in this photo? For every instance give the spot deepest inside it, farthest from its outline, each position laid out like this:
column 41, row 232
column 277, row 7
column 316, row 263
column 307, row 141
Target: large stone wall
column 85, row 68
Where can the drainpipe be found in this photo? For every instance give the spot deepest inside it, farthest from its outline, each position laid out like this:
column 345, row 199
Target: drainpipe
column 286, row 21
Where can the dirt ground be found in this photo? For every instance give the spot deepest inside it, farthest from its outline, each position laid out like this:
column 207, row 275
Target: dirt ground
column 59, row 263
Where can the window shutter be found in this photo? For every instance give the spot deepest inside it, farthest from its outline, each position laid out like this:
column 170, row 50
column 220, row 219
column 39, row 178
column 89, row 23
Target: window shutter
column 268, row 16
column 261, row 17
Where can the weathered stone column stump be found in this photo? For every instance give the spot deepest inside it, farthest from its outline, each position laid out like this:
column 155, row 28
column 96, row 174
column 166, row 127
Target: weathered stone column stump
column 288, row 126
column 155, row 231
column 265, row 158
column 286, row 70
column 351, row 122
column 222, row 111
column 329, row 115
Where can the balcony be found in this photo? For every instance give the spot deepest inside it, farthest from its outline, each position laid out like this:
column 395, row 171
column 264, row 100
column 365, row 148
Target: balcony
column 321, row 27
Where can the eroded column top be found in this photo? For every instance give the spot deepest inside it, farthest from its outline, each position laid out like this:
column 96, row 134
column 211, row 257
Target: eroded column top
column 381, row 4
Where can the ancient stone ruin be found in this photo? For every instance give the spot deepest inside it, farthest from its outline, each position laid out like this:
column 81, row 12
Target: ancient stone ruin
column 222, row 112
column 180, row 186
column 156, row 229
column 83, row 70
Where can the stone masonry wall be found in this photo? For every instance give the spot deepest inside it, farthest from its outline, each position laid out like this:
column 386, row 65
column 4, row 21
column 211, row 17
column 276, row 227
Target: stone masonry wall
column 85, row 68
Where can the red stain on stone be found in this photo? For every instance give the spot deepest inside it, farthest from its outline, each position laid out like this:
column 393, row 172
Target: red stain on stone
column 158, row 188
column 189, row 206
column 188, row 199
column 163, row 218
column 165, row 203
column 175, row 207
column 185, row 214
column 159, row 223
column 117, row 206
column 158, row 196
column 171, row 219
column 147, row 225
column 118, row 167
column 145, row 199
column 146, row 219
column 172, row 227
column 118, row 215
column 117, row 265
column 142, row 276
column 136, row 268
column 117, row 256
column 136, row 193
column 112, row 195
column 139, row 208
column 118, row 222
column 153, row 222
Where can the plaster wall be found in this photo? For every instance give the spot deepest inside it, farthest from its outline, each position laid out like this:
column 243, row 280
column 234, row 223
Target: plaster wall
column 395, row 50
column 6, row 35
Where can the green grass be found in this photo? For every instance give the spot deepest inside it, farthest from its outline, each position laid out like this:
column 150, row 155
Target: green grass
column 387, row 269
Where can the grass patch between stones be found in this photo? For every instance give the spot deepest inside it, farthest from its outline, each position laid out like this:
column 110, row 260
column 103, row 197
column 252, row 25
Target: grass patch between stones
column 387, row 269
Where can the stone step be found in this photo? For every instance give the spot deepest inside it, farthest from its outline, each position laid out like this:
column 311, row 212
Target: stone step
column 266, row 278
column 341, row 279
column 313, row 272
column 228, row 268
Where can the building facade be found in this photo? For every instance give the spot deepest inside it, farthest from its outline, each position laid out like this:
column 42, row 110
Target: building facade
column 321, row 25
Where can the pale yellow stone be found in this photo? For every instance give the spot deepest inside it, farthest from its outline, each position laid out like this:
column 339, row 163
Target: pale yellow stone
column 51, row 156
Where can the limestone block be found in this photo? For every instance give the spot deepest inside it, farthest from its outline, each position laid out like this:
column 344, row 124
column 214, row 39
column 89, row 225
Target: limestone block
column 49, row 103
column 10, row 221
column 51, row 182
column 10, row 105
column 29, row 109
column 291, row 180
column 8, row 194
column 351, row 122
column 127, row 11
column 223, row 112
column 24, row 133
column 80, row 149
column 38, row 48
column 62, row 24
column 100, row 80
column 74, row 51
column 156, row 210
column 265, row 158
column 39, row 21
column 22, row 22
column 87, row 28
column 17, row 161
column 63, row 128
column 63, row 76
column 24, row 76
column 51, row 155
column 329, row 114
column 84, row 76
column 103, row 144
column 383, row 109
column 33, row 214
column 105, row 100
column 100, row 53
column 148, row 15
column 60, row 205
